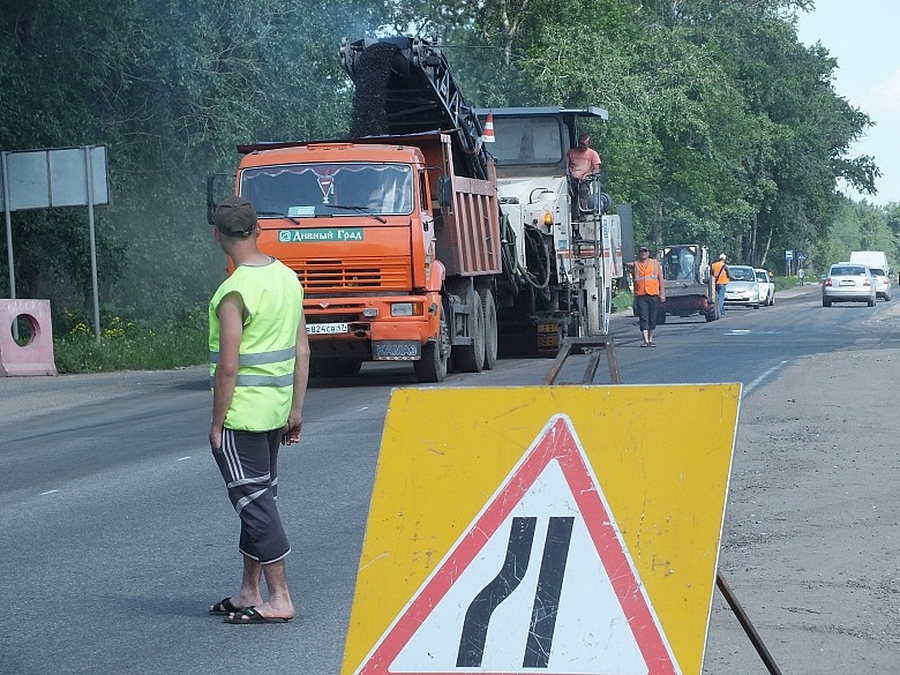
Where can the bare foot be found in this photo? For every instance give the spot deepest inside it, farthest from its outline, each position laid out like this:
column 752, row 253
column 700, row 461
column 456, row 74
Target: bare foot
column 263, row 614
column 280, row 611
column 246, row 601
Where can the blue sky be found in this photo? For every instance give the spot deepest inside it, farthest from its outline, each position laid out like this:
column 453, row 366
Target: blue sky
column 863, row 36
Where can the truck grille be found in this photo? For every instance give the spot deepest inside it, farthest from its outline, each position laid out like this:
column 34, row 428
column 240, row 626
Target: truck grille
column 389, row 274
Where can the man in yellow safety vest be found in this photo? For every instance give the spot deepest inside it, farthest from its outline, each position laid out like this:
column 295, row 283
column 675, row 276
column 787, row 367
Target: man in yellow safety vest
column 259, row 364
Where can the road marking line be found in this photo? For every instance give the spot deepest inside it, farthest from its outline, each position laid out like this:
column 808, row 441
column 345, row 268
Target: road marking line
column 753, row 385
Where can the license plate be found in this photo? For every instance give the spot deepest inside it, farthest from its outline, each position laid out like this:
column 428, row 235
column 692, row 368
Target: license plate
column 325, row 328
column 848, row 282
column 548, row 328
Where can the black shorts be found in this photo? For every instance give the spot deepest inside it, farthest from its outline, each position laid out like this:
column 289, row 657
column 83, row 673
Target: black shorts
column 647, row 307
column 248, row 461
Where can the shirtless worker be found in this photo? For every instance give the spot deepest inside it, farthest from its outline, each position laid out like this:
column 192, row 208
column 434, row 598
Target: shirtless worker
column 582, row 161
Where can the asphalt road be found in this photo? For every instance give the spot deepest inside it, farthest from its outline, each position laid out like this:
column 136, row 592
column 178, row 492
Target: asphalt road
column 117, row 535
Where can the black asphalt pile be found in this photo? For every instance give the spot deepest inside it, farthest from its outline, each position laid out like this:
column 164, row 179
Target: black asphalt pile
column 372, row 70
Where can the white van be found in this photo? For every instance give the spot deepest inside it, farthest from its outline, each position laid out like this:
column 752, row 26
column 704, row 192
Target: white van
column 873, row 259
column 877, row 263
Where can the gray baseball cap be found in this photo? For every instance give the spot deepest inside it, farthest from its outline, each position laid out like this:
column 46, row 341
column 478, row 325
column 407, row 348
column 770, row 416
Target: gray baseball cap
column 236, row 217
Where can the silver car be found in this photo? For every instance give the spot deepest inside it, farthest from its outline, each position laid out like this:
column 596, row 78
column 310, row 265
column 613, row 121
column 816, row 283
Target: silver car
column 848, row 282
column 742, row 288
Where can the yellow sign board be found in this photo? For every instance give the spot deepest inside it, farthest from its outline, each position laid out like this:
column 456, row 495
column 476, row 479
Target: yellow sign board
column 544, row 529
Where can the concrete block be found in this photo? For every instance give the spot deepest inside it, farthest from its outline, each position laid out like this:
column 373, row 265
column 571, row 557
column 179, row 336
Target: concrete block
column 36, row 357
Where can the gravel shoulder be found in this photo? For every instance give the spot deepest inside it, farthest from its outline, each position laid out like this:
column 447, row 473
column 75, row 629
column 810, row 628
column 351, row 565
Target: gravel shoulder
column 811, row 540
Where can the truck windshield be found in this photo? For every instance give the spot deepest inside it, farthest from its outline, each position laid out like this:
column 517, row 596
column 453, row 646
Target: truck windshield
column 536, row 140
column 308, row 190
column 681, row 263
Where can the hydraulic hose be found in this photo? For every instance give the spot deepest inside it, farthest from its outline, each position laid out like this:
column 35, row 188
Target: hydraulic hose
column 536, row 244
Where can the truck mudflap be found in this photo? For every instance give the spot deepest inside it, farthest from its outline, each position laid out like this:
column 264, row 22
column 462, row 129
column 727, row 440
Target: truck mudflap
column 402, row 341
column 396, row 350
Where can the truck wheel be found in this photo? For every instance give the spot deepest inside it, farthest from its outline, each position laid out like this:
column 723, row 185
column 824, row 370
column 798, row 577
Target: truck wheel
column 470, row 358
column 489, row 307
column 432, row 367
column 711, row 314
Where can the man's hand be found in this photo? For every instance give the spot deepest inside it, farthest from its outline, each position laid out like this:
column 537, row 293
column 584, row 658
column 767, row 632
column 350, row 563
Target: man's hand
column 292, row 428
column 215, row 437
column 301, row 378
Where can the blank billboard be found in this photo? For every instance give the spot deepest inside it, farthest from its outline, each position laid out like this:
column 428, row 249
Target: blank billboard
column 39, row 179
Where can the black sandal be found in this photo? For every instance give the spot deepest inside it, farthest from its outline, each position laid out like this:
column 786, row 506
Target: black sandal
column 224, row 607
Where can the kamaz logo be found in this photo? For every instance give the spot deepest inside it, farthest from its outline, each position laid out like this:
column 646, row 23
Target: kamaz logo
column 396, row 350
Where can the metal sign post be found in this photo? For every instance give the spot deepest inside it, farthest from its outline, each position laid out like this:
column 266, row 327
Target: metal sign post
column 9, row 241
column 89, row 179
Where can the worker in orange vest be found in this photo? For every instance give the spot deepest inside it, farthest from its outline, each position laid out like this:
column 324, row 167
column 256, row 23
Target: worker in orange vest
column 649, row 292
column 720, row 275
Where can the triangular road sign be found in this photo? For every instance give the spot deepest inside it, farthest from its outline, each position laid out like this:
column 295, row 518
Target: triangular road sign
column 540, row 582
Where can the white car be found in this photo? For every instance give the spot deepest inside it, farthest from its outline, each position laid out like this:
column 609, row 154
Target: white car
column 766, row 287
column 848, row 282
column 742, row 288
column 882, row 283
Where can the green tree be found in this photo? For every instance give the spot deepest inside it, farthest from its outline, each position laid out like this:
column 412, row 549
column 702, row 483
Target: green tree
column 857, row 226
column 674, row 142
column 170, row 88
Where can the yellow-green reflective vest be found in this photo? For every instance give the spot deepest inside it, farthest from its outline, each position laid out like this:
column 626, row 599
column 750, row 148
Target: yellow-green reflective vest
column 273, row 299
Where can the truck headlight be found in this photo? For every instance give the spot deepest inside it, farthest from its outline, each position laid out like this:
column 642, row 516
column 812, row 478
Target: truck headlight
column 406, row 309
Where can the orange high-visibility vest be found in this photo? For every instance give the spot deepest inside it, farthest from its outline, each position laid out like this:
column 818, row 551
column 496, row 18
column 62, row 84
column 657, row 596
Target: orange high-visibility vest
column 720, row 277
column 646, row 277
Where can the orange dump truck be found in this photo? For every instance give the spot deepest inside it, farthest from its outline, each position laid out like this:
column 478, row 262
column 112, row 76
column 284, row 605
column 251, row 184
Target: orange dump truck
column 391, row 271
